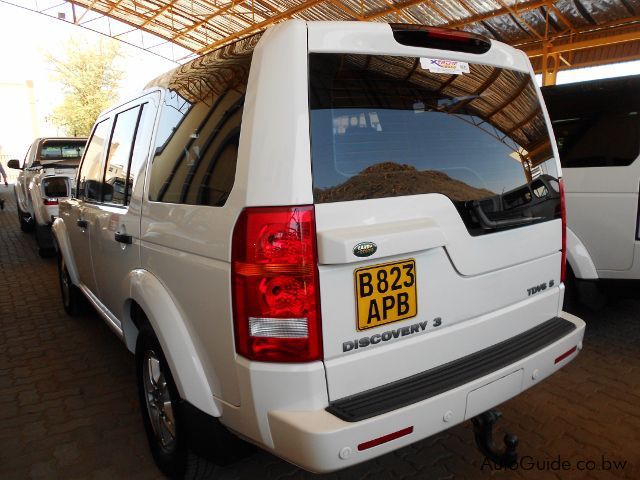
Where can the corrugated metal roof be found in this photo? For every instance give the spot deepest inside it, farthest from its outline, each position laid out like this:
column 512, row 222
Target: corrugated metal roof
column 581, row 32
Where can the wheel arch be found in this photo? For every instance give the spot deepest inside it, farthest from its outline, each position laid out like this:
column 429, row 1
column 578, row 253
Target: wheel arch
column 36, row 203
column 63, row 247
column 150, row 304
column 579, row 258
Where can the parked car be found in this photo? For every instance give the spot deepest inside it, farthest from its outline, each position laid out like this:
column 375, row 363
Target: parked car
column 597, row 128
column 46, row 176
column 335, row 239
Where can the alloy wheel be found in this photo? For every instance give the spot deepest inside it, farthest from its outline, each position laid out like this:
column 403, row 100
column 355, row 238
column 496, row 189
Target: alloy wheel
column 158, row 401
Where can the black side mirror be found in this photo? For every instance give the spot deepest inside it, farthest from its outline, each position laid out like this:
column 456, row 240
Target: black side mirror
column 14, row 164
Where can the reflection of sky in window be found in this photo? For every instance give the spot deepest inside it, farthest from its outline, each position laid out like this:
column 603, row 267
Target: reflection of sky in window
column 175, row 109
column 346, row 141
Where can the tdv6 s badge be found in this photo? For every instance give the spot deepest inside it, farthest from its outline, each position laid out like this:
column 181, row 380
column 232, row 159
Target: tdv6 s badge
column 540, row 288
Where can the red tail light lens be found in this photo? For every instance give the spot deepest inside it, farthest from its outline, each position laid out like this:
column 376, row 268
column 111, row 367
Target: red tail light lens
column 47, row 201
column 563, row 208
column 275, row 285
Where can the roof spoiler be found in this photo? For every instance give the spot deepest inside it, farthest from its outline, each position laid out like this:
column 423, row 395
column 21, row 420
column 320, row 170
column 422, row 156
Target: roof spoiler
column 439, row 38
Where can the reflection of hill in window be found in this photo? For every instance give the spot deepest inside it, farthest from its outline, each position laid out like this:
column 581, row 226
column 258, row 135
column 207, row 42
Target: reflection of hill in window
column 391, row 179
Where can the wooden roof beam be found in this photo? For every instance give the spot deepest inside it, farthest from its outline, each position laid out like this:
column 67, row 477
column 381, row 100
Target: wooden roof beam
column 522, row 7
column 347, row 10
column 156, row 14
column 206, row 19
column 261, row 25
column 585, row 44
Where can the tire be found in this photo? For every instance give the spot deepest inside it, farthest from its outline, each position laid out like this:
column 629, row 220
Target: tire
column 73, row 300
column 580, row 294
column 25, row 225
column 44, row 241
column 170, row 431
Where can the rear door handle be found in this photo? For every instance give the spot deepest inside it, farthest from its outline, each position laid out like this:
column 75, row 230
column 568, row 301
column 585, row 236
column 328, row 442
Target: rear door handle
column 123, row 238
column 82, row 223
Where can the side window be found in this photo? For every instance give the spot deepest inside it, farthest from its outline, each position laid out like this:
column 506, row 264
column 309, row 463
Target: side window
column 115, row 177
column 199, row 130
column 596, row 124
column 601, row 139
column 90, row 175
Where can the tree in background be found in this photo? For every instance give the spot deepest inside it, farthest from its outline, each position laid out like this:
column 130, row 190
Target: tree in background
column 90, row 80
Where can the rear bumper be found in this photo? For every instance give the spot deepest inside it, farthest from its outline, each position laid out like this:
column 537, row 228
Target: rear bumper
column 319, row 441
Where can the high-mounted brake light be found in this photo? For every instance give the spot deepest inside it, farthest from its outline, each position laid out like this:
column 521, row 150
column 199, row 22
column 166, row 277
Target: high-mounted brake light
column 50, row 201
column 563, row 209
column 439, row 38
column 275, row 285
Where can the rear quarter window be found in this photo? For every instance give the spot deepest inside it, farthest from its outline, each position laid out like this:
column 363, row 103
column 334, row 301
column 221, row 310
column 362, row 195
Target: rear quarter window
column 199, row 128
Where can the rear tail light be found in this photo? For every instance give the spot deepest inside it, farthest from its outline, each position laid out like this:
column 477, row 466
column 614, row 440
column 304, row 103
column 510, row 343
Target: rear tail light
column 50, row 201
column 275, row 285
column 439, row 38
column 563, row 209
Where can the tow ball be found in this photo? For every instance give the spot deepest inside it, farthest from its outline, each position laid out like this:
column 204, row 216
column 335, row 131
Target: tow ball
column 483, row 432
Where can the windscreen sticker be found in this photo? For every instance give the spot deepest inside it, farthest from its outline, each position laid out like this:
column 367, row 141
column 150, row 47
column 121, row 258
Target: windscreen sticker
column 437, row 65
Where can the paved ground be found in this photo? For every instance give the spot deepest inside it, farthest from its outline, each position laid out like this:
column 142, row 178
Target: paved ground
column 68, row 406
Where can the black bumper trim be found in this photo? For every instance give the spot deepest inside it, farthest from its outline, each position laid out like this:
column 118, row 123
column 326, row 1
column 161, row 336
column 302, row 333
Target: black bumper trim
column 451, row 375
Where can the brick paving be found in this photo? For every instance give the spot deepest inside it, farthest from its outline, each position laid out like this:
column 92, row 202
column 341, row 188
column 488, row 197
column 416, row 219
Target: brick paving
column 68, row 406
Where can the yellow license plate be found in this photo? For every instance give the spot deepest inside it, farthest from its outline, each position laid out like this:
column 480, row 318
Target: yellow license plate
column 385, row 293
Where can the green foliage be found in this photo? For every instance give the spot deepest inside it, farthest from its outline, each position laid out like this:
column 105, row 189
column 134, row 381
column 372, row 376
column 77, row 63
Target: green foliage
column 90, row 79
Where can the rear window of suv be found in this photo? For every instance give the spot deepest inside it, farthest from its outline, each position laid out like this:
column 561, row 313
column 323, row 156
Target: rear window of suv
column 386, row 126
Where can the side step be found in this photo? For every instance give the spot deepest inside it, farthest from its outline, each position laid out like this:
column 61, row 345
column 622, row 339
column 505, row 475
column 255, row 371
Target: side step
column 450, row 375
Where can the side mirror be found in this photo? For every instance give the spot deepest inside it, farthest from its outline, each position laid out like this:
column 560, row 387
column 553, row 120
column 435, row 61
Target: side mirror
column 14, row 164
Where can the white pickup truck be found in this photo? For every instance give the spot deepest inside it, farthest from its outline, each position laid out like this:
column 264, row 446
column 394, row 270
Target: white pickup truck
column 45, row 179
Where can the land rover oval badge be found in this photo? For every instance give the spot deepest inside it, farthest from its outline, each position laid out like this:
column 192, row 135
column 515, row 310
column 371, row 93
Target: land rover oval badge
column 365, row 249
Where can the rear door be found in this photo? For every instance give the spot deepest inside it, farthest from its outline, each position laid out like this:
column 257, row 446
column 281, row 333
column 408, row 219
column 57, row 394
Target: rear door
column 437, row 208
column 115, row 229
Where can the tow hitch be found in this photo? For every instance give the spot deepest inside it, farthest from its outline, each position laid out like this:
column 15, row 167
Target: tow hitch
column 483, row 431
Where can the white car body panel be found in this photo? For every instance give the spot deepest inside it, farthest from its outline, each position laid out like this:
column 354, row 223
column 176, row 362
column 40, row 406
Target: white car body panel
column 579, row 258
column 178, row 271
column 376, row 38
column 63, row 245
column 471, row 325
column 602, row 211
column 176, row 338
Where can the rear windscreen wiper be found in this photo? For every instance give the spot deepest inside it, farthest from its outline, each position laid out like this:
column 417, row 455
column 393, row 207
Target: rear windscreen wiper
column 488, row 224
